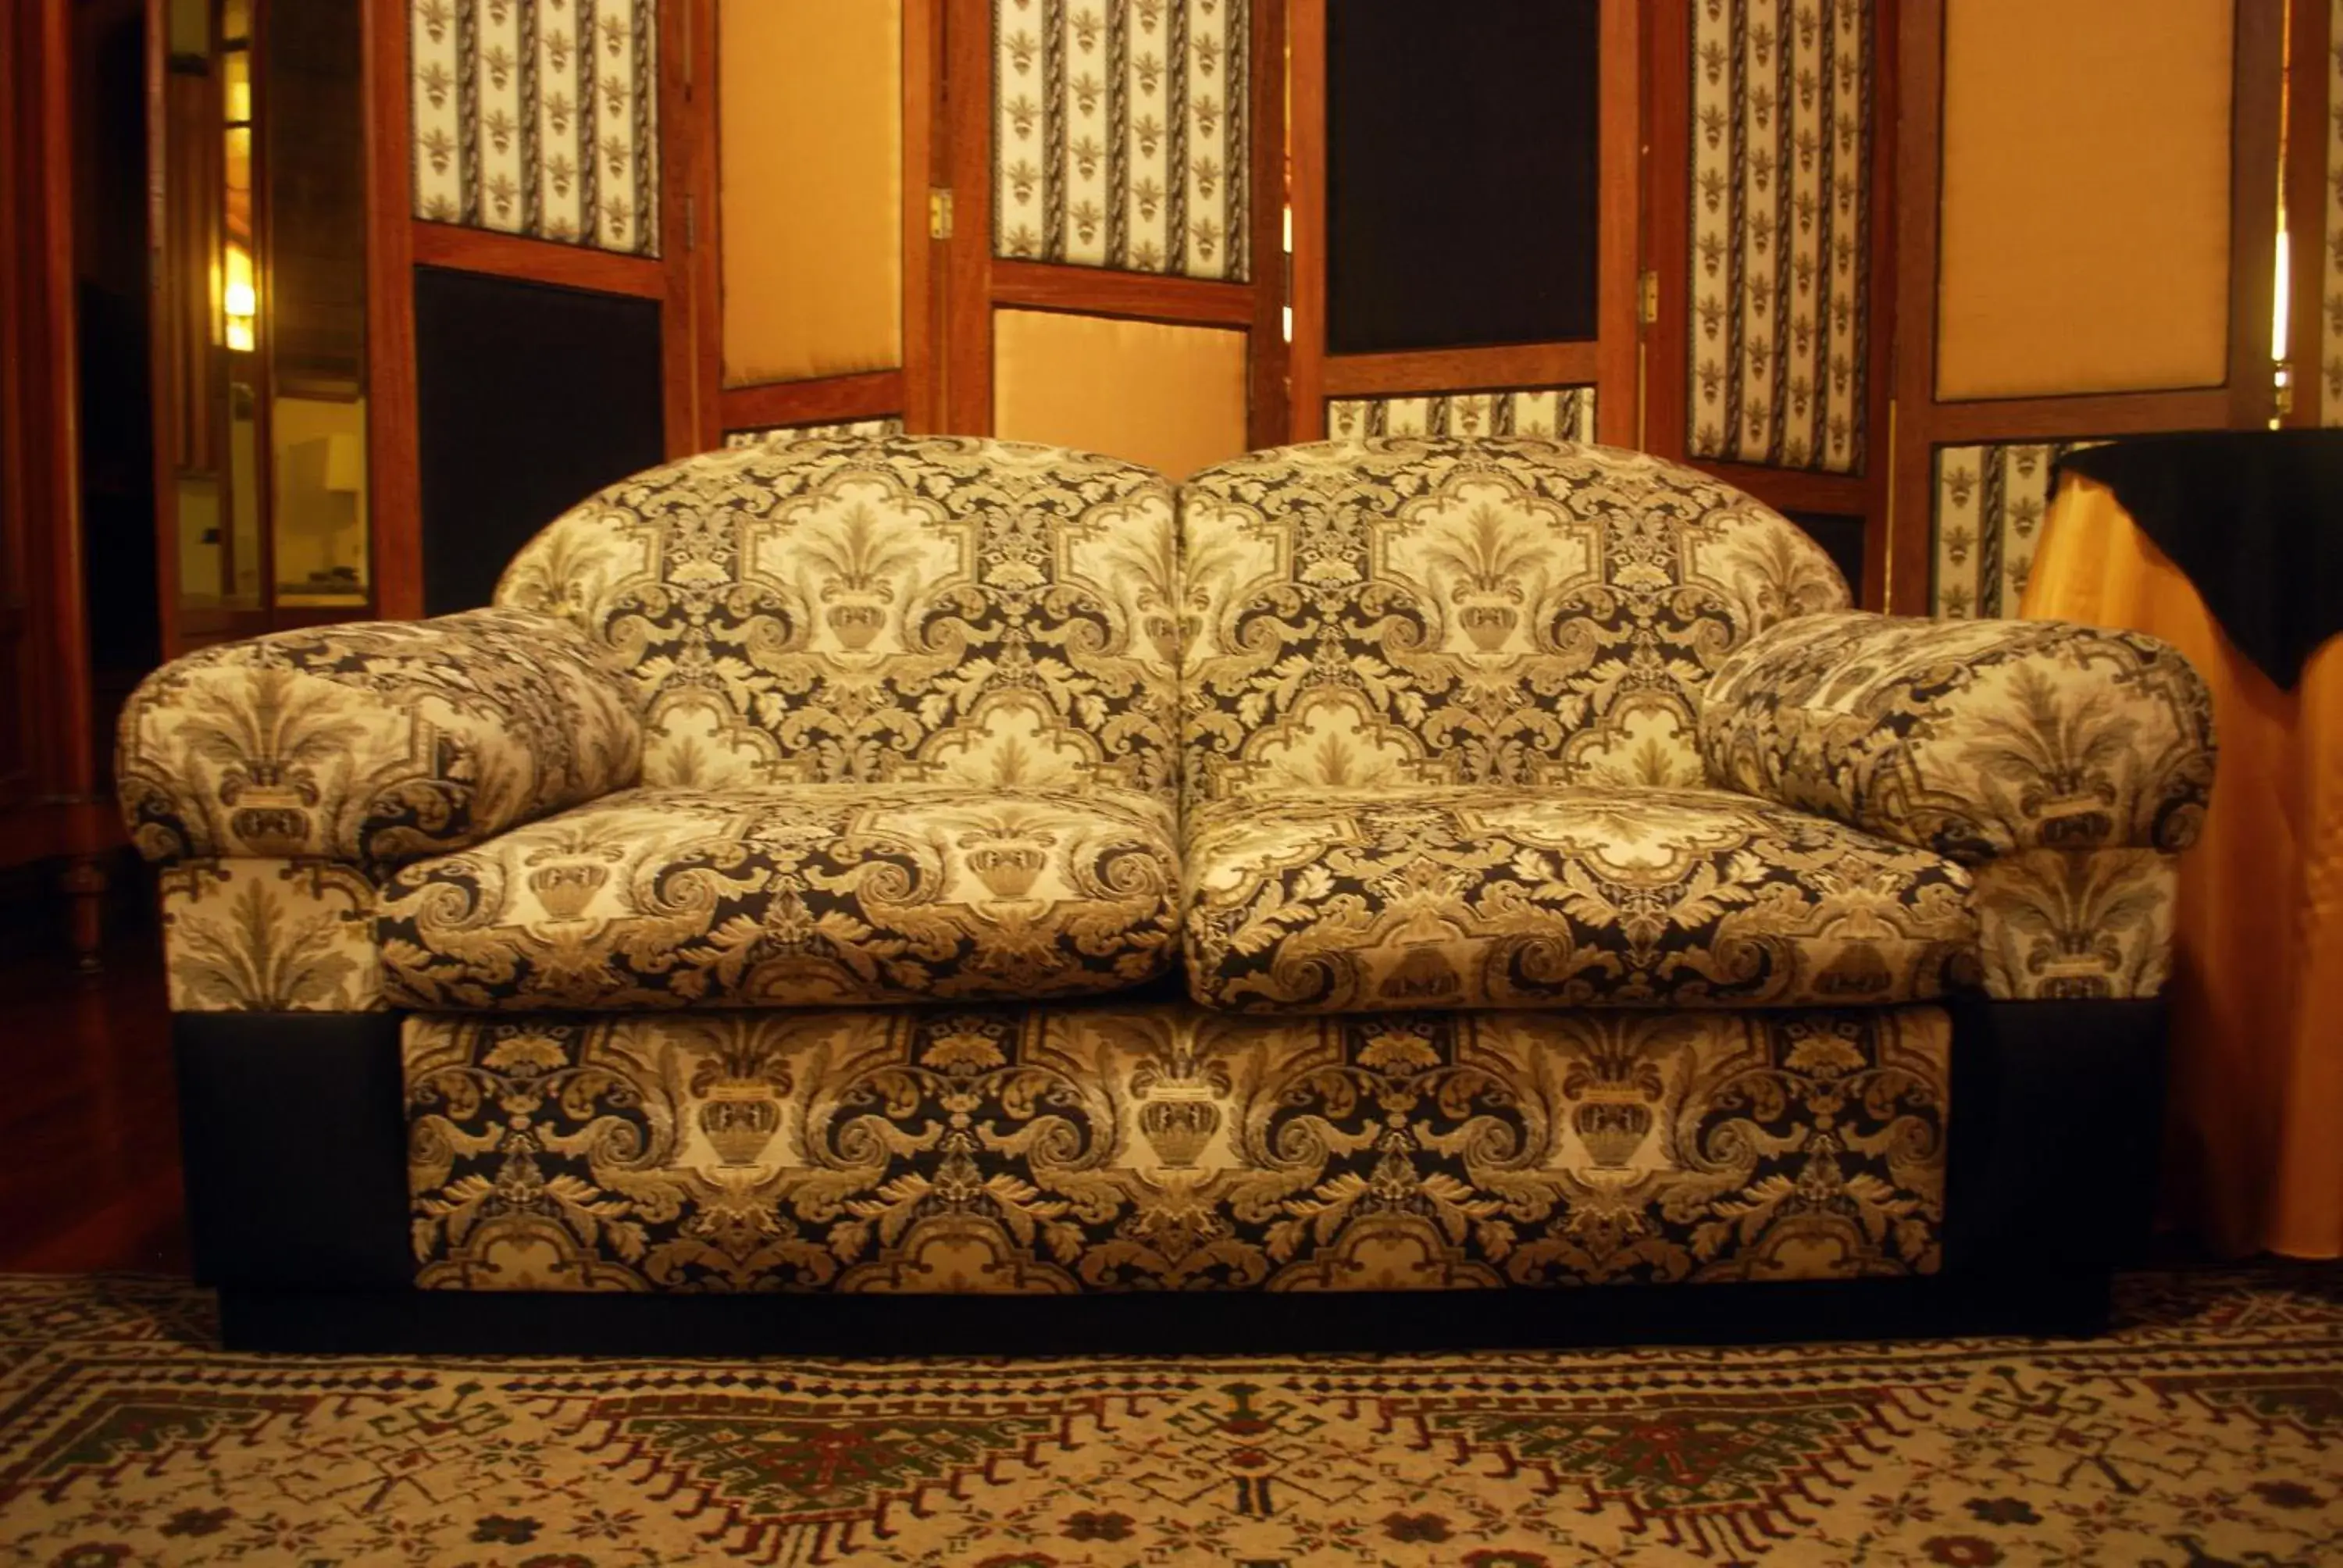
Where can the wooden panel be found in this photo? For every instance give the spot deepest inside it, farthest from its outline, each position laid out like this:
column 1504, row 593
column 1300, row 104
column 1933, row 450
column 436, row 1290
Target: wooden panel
column 2086, row 152
column 812, row 153
column 1461, row 369
column 1042, row 287
column 391, row 441
column 539, row 117
column 1123, row 134
column 829, row 400
column 531, row 397
column 536, row 260
column 1173, row 398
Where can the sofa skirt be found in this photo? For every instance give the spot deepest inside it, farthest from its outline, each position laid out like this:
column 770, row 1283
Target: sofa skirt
column 420, row 1173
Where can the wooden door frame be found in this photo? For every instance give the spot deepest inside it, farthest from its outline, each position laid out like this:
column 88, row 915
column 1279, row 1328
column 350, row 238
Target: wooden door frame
column 1607, row 361
column 2242, row 400
column 977, row 283
column 2309, row 107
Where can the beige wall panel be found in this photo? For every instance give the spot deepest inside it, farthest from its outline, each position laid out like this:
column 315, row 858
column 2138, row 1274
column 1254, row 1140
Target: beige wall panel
column 1173, row 398
column 2086, row 217
column 809, row 97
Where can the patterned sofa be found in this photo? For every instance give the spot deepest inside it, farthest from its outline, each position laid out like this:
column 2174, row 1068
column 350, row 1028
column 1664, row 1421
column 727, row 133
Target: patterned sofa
column 838, row 873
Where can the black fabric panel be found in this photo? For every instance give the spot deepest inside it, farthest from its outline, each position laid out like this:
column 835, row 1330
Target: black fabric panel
column 294, row 1131
column 1460, row 173
column 530, row 399
column 549, row 1323
column 1841, row 537
column 2056, row 1123
column 2254, row 517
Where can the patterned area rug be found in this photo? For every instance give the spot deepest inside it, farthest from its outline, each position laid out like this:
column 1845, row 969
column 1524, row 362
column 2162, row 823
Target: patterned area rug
column 2208, row 1431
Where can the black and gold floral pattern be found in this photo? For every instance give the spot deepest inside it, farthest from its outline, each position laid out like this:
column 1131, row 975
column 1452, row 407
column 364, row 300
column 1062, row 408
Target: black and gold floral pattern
column 793, row 896
column 373, row 743
column 2059, row 923
column 1159, row 1148
column 269, row 936
column 1495, row 897
column 1971, row 739
column 914, row 609
column 1395, row 613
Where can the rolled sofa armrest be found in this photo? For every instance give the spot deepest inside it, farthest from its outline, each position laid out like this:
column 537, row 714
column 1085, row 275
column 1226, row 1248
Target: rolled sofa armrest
column 1975, row 739
column 375, row 742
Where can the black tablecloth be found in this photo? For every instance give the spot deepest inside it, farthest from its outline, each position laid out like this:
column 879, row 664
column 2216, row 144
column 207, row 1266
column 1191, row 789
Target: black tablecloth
column 2254, row 517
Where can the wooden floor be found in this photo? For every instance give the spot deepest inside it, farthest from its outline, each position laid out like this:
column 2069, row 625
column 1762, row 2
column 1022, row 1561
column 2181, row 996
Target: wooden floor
column 89, row 1141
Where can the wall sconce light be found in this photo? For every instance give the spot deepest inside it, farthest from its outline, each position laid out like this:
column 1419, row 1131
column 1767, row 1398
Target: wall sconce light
column 240, row 300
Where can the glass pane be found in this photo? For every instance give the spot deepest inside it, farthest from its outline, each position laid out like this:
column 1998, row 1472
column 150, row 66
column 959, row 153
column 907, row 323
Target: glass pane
column 313, row 163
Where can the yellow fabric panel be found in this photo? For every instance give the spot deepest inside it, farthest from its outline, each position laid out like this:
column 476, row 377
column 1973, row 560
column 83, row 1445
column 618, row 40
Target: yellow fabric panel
column 2256, row 1157
column 1173, row 398
column 809, row 98
column 2086, row 205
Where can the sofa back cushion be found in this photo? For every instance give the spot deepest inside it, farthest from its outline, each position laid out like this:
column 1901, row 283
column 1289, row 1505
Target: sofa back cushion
column 1398, row 611
column 931, row 610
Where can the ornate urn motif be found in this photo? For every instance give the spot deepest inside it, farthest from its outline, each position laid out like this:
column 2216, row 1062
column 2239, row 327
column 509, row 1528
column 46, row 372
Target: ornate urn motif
column 856, row 614
column 271, row 819
column 1177, row 1113
column 1424, row 974
column 565, row 886
column 1009, row 864
column 739, row 1118
column 1614, row 1089
column 1487, row 618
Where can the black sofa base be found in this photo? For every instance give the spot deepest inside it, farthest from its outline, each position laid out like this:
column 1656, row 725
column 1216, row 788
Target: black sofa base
column 442, row 1323
column 295, row 1148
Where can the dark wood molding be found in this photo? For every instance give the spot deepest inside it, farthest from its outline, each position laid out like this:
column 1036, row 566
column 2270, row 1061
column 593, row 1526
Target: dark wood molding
column 925, row 258
column 966, row 358
column 528, row 260
column 828, row 400
column 1306, row 136
column 1424, row 370
column 53, row 444
column 706, row 226
column 1886, row 306
column 1919, row 167
column 1666, row 381
column 1104, row 291
column 1618, row 183
column 1266, row 417
column 2256, row 128
column 393, row 441
column 682, row 130
column 1796, row 489
column 161, row 348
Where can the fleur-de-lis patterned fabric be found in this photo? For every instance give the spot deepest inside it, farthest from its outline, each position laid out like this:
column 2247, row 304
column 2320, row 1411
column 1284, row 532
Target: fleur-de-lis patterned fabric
column 539, row 117
column 1393, row 612
column 1121, row 1147
column 1973, row 739
column 372, row 743
column 792, row 896
column 1990, row 503
column 1556, row 413
column 889, row 425
column 1120, row 134
column 915, row 610
column 2068, row 923
column 1494, row 897
column 269, row 936
column 1782, row 103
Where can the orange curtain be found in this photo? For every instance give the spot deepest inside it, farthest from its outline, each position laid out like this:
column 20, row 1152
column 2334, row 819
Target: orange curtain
column 2254, row 1161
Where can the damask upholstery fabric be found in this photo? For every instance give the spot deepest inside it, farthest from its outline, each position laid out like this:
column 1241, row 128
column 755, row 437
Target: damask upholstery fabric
column 1393, row 612
column 2076, row 922
column 1148, row 1148
column 269, row 936
column 1490, row 896
column 1971, row 739
column 910, row 610
column 373, row 743
column 800, row 895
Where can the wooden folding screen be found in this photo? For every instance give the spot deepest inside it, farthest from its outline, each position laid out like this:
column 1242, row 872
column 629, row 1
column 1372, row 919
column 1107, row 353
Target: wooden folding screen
column 531, row 169
column 1769, row 253
column 2087, row 217
column 1465, row 202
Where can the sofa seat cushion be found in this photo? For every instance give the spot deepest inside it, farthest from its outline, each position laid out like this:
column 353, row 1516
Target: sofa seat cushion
column 793, row 895
column 1496, row 897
